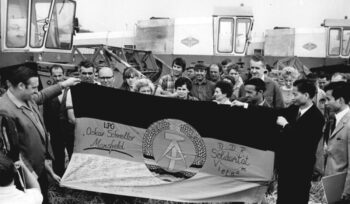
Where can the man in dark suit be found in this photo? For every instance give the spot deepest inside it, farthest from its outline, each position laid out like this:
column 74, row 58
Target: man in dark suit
column 302, row 125
column 56, row 121
column 20, row 103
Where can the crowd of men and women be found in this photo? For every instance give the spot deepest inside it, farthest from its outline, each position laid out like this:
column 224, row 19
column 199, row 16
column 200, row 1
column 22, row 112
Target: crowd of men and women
column 313, row 113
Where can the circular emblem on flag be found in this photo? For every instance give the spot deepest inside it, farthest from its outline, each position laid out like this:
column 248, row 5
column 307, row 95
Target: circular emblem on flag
column 173, row 150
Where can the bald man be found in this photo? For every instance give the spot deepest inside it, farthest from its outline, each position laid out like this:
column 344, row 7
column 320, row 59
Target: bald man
column 106, row 76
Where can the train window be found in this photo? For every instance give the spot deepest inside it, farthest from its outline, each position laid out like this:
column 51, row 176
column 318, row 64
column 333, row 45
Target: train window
column 40, row 15
column 334, row 42
column 225, row 38
column 346, row 43
column 60, row 34
column 16, row 26
column 242, row 30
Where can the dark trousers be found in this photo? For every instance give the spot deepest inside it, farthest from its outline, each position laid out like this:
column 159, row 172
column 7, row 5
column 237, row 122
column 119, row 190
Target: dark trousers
column 44, row 185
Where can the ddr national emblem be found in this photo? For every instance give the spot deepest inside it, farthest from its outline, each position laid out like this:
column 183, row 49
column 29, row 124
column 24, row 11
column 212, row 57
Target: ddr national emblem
column 173, row 150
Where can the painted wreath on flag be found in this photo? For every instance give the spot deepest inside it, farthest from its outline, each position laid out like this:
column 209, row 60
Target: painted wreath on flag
column 173, row 150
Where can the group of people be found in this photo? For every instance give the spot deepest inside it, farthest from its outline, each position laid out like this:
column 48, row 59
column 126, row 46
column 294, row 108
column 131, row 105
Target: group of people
column 313, row 116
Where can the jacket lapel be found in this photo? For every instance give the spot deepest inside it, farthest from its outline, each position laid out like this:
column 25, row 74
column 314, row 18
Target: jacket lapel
column 341, row 124
column 31, row 118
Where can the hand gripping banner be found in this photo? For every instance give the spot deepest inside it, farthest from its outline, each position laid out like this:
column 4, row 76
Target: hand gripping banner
column 153, row 147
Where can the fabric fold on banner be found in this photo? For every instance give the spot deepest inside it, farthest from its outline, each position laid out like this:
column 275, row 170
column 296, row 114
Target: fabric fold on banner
column 168, row 149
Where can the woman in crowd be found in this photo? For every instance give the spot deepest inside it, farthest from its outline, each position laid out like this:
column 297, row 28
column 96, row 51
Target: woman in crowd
column 232, row 81
column 232, row 71
column 144, row 86
column 289, row 75
column 223, row 92
column 130, row 75
column 183, row 86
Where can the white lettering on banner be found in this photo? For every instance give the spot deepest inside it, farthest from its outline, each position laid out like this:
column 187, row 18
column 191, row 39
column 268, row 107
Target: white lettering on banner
column 230, row 160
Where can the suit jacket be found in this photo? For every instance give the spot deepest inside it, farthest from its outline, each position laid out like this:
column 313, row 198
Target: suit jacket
column 272, row 94
column 34, row 144
column 338, row 151
column 295, row 153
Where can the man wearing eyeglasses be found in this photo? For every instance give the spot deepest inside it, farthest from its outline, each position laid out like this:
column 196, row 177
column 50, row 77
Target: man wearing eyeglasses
column 106, row 76
column 272, row 94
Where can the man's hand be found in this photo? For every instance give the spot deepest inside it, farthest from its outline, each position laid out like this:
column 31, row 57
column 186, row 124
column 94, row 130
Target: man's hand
column 70, row 82
column 281, row 121
column 239, row 104
column 56, row 178
column 48, row 166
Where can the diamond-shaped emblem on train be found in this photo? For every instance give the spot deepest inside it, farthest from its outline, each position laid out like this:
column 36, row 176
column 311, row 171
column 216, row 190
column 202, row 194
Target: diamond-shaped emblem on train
column 309, row 46
column 190, row 41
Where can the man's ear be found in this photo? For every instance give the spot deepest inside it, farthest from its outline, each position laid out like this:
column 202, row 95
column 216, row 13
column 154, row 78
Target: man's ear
column 307, row 95
column 21, row 86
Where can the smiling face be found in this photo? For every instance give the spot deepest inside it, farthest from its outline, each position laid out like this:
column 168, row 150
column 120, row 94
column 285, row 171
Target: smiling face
column 252, row 96
column 182, row 91
column 218, row 95
column 200, row 74
column 257, row 69
column 177, row 70
column 27, row 91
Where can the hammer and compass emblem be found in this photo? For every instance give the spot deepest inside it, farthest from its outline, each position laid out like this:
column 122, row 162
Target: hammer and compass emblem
column 173, row 150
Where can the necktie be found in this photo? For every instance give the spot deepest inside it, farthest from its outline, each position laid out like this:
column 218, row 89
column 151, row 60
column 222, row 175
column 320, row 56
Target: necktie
column 299, row 115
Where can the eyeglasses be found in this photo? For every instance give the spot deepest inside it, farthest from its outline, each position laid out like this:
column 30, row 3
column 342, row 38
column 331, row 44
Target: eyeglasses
column 255, row 67
column 106, row 77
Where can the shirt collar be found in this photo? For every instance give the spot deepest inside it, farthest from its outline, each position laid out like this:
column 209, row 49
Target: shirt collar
column 341, row 114
column 302, row 111
column 15, row 100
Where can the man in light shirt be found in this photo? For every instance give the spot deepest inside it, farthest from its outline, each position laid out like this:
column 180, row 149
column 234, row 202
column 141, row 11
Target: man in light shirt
column 337, row 146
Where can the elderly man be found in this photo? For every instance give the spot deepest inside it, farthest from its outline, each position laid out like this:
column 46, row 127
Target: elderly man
column 106, row 77
column 215, row 71
column 272, row 94
column 20, row 103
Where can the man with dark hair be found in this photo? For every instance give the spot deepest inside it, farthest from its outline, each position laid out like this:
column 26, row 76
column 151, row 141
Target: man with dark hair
column 225, row 63
column 56, row 121
column 8, row 191
column 20, row 103
column 254, row 92
column 302, row 125
column 301, row 130
column 87, row 72
column 337, row 146
column 202, row 88
column 215, row 71
column 57, row 73
column 166, row 83
column 223, row 92
column 272, row 94
column 322, row 81
column 189, row 73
